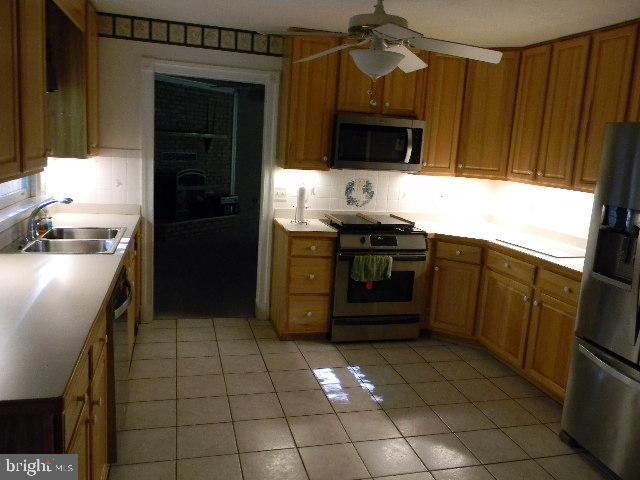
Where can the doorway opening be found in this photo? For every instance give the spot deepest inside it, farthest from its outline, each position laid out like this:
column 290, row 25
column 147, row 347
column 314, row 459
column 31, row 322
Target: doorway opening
column 207, row 189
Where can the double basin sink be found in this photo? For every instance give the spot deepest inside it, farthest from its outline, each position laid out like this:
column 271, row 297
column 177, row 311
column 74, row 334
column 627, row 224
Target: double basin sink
column 76, row 240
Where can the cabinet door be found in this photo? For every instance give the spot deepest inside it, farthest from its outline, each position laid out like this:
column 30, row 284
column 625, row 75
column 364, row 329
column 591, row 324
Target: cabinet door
column 403, row 93
column 356, row 91
column 550, row 343
column 487, row 116
column 606, row 98
column 453, row 297
column 99, row 423
column 91, row 37
column 33, row 100
column 443, row 108
column 527, row 123
column 504, row 316
column 633, row 110
column 80, row 444
column 562, row 111
column 310, row 96
column 9, row 139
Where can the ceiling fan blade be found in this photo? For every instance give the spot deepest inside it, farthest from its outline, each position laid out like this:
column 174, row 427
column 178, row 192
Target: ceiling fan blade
column 411, row 62
column 331, row 50
column 395, row 32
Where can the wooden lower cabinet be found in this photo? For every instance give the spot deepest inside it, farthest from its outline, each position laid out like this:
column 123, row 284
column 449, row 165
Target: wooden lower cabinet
column 550, row 343
column 80, row 444
column 504, row 317
column 98, row 422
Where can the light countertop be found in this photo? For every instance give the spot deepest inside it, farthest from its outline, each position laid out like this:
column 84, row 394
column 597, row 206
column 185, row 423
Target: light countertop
column 48, row 303
column 313, row 225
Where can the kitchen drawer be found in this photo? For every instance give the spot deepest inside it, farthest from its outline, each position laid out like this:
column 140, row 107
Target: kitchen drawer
column 75, row 398
column 499, row 262
column 310, row 275
column 560, row 287
column 98, row 339
column 309, row 313
column 460, row 253
column 312, row 247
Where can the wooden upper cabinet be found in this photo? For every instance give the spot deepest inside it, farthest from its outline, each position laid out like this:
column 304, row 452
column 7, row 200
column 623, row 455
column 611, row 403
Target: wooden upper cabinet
column 562, row 111
column 307, row 103
column 487, row 117
column 606, row 97
column 527, row 122
column 76, row 10
column 33, row 85
column 91, row 37
column 403, row 93
column 356, row 91
column 9, row 137
column 633, row 112
column 443, row 107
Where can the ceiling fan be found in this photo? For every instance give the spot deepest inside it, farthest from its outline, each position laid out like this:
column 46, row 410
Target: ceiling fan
column 389, row 38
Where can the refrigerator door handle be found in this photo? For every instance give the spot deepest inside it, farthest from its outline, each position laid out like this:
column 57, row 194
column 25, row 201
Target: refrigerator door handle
column 608, row 368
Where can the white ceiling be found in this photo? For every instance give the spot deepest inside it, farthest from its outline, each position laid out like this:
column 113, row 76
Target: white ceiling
column 481, row 22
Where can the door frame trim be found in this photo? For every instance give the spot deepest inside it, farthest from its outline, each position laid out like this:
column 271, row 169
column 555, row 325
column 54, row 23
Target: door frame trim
column 270, row 79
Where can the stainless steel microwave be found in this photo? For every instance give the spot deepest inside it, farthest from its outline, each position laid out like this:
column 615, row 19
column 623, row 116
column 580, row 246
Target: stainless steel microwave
column 377, row 143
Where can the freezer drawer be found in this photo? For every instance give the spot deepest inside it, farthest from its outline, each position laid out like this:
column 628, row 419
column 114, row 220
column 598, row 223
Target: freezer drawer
column 601, row 409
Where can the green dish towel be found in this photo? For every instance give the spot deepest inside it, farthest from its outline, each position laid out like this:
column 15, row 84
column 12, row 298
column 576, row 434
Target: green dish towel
column 371, row 268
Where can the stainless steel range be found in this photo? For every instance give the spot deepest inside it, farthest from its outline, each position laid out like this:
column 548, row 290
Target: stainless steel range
column 386, row 309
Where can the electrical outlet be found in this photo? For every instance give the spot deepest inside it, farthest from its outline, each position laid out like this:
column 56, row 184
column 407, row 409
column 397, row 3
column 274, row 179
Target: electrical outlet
column 280, row 195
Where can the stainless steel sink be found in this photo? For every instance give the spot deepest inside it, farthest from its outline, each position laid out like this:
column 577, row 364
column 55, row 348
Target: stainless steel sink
column 71, row 246
column 91, row 233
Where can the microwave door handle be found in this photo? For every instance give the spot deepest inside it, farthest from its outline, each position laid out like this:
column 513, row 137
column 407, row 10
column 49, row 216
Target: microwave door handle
column 407, row 155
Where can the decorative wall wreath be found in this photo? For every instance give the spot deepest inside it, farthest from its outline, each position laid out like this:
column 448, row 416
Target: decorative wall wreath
column 361, row 196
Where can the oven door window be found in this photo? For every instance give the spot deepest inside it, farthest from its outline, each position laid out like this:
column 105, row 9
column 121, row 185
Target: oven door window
column 372, row 143
column 398, row 288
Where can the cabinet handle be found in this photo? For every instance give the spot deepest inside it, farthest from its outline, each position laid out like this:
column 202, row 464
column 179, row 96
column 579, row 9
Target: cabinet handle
column 530, row 172
column 437, row 269
column 424, row 164
column 373, row 102
column 386, row 104
column 313, row 248
column 93, row 420
column 567, row 290
column 325, row 158
column 98, row 402
column 460, row 165
column 104, row 339
column 525, row 299
column 309, row 314
column 312, row 276
column 540, row 174
column 458, row 252
column 83, row 398
column 507, row 265
column 536, row 303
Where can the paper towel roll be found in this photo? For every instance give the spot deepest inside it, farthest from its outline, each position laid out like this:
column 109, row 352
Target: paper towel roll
column 302, row 193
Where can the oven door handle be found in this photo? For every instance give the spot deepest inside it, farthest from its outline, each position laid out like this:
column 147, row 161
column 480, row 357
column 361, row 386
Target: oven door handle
column 407, row 155
column 396, row 258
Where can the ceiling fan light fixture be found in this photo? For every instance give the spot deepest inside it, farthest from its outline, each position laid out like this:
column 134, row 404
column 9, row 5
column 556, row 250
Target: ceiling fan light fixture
column 376, row 63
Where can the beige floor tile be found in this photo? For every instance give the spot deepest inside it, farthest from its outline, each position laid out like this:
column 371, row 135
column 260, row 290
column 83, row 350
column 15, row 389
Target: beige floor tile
column 350, row 399
column 363, row 357
column 442, row 451
column 416, row 421
column 156, row 368
column 144, row 471
column 147, row 351
column 408, row 476
column 255, row 406
column 240, row 332
column 160, row 323
column 199, row 366
column 338, row 375
column 238, row 347
column 155, row 414
column 243, row 363
column 492, row 446
column 555, row 427
column 368, row 425
column 439, row 393
column 256, row 321
column 201, row 386
column 304, row 402
column 276, row 346
column 194, row 411
column 418, row 373
column 396, row 396
column 437, row 353
column 284, row 361
column 543, row 408
column 273, row 465
column 121, row 413
column 389, row 344
column 346, row 346
column 333, row 462
column 315, row 346
column 374, row 375
column 152, row 445
column 206, row 440
column 389, row 457
column 401, row 355
column 457, row 370
column 207, row 348
column 156, row 335
column 220, row 467
column 196, row 334
column 462, row 417
column 244, row 383
column 479, row 390
column 148, row 389
column 194, row 322
column 121, row 369
column 465, row 473
column 516, row 387
column 230, row 322
column 506, row 413
column 265, row 434
column 571, row 467
column 490, row 367
column 325, row 359
column 294, row 380
column 264, row 332
column 538, row 441
column 469, row 352
column 522, row 470
column 317, row 430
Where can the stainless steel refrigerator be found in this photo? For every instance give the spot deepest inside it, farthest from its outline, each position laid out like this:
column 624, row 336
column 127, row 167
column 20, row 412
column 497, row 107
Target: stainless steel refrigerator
column 602, row 405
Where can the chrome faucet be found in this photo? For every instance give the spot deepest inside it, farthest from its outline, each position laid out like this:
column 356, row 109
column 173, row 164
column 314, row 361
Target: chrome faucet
column 32, row 225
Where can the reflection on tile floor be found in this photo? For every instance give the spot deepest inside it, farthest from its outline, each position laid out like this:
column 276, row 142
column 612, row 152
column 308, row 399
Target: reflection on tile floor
column 224, row 399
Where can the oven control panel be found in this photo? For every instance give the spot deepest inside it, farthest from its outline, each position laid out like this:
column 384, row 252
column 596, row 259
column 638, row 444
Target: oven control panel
column 383, row 240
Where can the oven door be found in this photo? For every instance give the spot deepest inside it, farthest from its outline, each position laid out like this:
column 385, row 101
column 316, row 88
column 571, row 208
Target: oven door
column 402, row 294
